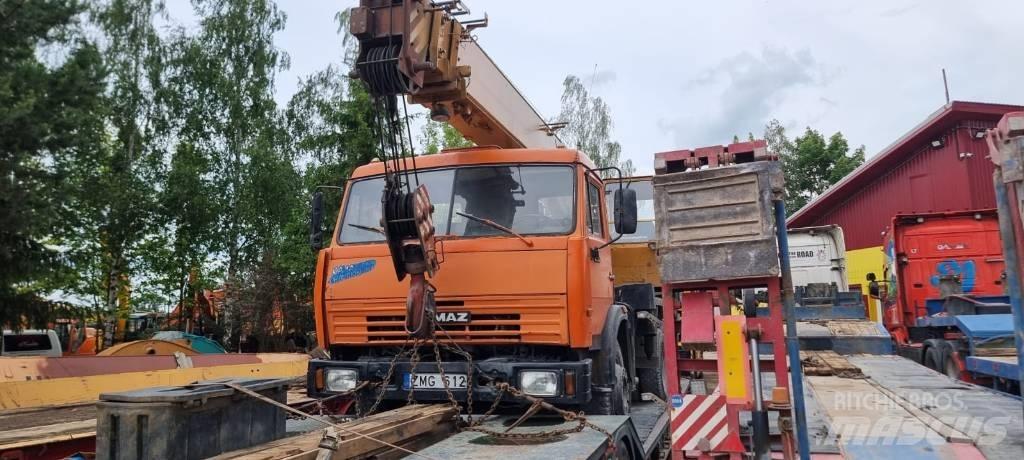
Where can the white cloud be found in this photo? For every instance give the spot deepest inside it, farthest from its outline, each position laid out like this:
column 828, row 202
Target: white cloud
column 742, row 92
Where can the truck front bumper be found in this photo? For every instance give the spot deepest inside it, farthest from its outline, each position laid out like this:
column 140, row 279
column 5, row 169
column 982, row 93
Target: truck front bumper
column 574, row 379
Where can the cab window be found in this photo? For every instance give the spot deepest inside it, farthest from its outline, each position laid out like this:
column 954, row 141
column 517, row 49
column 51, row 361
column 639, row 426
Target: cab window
column 593, row 209
column 528, row 199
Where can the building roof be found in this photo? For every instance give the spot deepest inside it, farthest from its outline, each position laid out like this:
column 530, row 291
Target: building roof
column 896, row 153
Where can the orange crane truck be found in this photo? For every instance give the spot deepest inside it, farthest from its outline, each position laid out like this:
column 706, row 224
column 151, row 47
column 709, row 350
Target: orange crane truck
column 522, row 295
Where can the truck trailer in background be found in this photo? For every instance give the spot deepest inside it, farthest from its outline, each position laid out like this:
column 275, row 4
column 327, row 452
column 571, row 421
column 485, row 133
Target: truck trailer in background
column 945, row 296
column 818, row 255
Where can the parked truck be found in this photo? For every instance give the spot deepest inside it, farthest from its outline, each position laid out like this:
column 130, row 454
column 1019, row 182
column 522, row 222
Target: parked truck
column 818, row 255
column 945, row 296
column 522, row 292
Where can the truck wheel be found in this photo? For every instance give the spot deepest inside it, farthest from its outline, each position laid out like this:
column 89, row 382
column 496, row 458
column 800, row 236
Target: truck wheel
column 933, row 356
column 952, row 371
column 652, row 380
column 949, row 366
column 620, row 385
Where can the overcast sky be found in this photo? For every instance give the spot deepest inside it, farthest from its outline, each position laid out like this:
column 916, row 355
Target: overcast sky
column 684, row 74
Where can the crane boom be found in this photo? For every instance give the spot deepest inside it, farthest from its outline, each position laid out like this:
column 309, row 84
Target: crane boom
column 417, row 48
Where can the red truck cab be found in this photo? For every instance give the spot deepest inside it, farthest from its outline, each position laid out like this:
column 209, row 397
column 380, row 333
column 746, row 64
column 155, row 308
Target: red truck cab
column 931, row 256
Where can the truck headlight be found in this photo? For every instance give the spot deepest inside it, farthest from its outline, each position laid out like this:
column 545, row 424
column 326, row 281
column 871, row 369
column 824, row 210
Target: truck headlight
column 341, row 380
column 539, row 383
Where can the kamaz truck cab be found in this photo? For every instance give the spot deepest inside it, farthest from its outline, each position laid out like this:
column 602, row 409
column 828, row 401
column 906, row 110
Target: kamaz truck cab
column 511, row 254
column 525, row 286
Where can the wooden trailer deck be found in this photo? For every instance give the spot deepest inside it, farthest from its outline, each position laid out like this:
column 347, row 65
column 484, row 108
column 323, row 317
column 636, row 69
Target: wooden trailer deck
column 900, row 409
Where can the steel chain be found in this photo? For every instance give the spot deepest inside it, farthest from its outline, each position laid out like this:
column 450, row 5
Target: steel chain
column 387, row 378
column 470, row 380
column 486, row 415
column 414, row 361
column 447, row 390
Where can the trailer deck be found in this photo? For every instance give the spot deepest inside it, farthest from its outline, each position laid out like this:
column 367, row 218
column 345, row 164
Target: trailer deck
column 1005, row 367
column 902, row 409
column 844, row 336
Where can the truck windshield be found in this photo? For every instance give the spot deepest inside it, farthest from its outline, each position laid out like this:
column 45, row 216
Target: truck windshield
column 529, row 199
column 644, row 210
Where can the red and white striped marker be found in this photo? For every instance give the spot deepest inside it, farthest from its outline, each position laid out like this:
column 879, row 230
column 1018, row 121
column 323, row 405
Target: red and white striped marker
column 702, row 418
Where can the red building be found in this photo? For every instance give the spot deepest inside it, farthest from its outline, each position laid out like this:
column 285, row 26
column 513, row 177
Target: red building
column 940, row 165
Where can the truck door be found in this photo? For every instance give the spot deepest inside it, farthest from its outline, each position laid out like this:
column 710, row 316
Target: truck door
column 600, row 266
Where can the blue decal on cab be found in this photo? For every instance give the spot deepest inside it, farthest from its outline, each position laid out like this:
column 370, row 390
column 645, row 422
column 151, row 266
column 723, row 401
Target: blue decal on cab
column 344, row 272
column 966, row 270
column 677, row 401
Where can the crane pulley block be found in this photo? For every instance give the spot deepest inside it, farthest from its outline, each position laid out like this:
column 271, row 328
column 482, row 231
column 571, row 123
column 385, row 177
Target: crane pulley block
column 420, row 50
column 409, row 46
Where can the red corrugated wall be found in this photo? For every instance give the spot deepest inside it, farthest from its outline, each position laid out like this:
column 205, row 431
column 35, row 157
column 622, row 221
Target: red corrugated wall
column 931, row 179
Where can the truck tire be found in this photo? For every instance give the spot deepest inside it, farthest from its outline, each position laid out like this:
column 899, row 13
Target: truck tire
column 611, row 398
column 951, row 369
column 621, row 396
column 652, row 379
column 949, row 365
column 933, row 356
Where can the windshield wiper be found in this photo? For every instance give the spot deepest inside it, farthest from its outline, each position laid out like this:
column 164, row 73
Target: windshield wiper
column 493, row 224
column 368, row 228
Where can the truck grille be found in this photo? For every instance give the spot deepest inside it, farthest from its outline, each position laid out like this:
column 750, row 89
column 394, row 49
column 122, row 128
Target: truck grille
column 499, row 326
column 494, row 320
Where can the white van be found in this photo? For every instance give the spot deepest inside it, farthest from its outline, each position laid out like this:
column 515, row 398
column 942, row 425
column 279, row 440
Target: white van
column 818, row 255
column 31, row 342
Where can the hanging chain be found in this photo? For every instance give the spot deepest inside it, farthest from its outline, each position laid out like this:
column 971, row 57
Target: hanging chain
column 413, row 363
column 471, row 423
column 501, row 388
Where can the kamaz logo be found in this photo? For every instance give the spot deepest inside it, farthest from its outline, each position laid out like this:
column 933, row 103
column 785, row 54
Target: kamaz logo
column 452, row 317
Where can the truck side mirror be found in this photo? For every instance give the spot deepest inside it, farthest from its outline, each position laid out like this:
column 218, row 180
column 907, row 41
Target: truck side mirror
column 625, row 211
column 316, row 220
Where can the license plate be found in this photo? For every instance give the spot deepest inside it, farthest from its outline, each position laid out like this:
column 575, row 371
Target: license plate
column 434, row 381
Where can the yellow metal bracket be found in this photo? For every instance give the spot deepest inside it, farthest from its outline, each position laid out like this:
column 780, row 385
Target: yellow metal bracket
column 734, row 375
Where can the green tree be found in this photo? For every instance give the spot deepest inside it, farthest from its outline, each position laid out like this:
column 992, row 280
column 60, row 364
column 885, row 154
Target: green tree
column 810, row 162
column 227, row 73
column 232, row 151
column 49, row 114
column 113, row 190
column 187, row 205
column 436, row 137
column 589, row 126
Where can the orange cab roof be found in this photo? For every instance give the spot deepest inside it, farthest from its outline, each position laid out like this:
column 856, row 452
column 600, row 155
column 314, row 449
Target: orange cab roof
column 483, row 155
